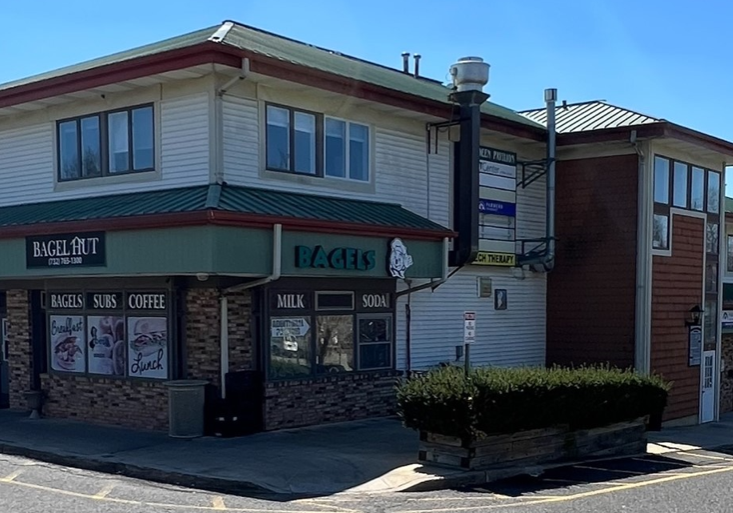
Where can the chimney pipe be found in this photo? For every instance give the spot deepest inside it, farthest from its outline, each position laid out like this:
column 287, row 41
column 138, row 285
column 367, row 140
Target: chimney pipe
column 417, row 64
column 405, row 62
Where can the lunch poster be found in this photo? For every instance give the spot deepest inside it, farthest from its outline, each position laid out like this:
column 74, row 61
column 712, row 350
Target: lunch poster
column 147, row 347
column 67, row 343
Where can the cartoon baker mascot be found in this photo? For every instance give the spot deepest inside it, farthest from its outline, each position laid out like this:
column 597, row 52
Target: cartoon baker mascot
column 399, row 260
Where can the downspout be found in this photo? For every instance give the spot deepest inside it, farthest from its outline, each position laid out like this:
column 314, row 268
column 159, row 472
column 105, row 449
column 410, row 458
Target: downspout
column 219, row 121
column 549, row 259
column 224, row 342
column 642, row 326
column 277, row 231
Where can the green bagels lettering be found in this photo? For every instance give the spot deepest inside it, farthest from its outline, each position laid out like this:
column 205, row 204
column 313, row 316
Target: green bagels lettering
column 351, row 259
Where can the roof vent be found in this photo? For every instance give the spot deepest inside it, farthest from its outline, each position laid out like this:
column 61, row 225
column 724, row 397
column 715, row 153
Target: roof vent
column 470, row 74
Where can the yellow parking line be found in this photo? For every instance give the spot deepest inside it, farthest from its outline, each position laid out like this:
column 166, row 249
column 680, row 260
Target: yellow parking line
column 218, row 503
column 581, row 495
column 104, row 492
column 11, row 477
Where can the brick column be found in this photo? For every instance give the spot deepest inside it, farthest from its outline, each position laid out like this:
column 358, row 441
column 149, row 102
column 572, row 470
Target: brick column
column 202, row 334
column 241, row 352
column 19, row 346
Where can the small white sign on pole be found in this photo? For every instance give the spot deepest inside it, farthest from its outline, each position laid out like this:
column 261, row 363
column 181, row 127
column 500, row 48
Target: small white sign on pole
column 469, row 327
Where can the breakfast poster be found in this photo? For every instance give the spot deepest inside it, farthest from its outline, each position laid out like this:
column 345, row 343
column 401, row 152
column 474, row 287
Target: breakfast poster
column 67, row 343
column 147, row 339
column 106, row 353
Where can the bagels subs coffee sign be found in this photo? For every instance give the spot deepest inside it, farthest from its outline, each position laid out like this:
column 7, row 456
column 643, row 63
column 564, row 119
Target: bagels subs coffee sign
column 66, row 250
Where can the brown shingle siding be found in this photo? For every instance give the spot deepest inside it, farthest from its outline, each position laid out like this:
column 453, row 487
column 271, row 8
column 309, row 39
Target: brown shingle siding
column 676, row 286
column 592, row 290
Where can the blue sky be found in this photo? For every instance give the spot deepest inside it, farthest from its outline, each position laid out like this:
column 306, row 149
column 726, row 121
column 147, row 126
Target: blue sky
column 669, row 59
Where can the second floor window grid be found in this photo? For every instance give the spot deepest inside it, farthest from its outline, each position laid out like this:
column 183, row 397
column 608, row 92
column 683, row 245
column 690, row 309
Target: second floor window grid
column 106, row 144
column 306, row 143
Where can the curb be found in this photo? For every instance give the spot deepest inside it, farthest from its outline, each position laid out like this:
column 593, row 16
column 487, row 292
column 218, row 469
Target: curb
column 212, row 484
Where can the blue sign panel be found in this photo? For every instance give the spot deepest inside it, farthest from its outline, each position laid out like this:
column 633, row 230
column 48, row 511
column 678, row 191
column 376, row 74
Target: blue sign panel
column 499, row 208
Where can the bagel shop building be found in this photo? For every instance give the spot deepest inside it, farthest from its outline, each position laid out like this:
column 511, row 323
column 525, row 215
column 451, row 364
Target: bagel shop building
column 287, row 314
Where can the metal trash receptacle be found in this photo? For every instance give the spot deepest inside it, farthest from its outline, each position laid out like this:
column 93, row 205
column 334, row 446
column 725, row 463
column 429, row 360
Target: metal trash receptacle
column 186, row 400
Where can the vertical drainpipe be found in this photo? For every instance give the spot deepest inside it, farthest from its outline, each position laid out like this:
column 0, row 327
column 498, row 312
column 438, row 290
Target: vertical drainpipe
column 642, row 325
column 550, row 99
column 722, row 251
column 224, row 341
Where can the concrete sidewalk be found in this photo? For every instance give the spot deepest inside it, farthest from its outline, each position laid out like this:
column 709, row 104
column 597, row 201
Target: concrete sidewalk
column 713, row 435
column 367, row 456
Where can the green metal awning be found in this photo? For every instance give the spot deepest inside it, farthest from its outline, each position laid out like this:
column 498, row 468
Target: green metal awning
column 256, row 204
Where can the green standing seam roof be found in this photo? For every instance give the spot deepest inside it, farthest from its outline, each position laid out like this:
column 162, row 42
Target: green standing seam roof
column 244, row 200
column 277, row 47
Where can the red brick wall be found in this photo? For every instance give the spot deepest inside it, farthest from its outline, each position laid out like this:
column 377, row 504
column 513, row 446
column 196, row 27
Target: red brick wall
column 591, row 293
column 676, row 286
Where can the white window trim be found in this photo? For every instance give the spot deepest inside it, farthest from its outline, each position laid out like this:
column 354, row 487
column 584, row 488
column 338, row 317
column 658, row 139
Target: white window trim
column 675, row 211
column 347, row 149
column 156, row 175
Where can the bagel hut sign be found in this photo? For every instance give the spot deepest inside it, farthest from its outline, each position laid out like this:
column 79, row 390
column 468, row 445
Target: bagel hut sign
column 66, row 250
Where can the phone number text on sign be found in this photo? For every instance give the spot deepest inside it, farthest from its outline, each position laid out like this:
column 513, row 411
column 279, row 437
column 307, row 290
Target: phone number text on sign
column 64, row 261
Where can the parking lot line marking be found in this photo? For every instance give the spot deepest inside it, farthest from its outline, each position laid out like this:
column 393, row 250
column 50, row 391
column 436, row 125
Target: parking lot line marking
column 649, row 460
column 581, row 495
column 618, row 471
column 710, row 457
column 11, row 477
column 104, row 492
column 323, row 503
column 217, row 503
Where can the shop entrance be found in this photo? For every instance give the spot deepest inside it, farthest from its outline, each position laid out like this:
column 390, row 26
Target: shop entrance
column 707, row 394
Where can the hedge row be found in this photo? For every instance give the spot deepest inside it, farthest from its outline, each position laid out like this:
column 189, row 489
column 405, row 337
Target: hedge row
column 508, row 400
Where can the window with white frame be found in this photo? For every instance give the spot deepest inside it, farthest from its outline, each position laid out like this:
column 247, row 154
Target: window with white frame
column 106, row 144
column 307, row 143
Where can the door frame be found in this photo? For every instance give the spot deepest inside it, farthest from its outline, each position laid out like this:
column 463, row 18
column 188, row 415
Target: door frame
column 713, row 417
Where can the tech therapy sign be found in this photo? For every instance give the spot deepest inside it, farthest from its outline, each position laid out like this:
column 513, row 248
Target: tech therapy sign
column 65, row 250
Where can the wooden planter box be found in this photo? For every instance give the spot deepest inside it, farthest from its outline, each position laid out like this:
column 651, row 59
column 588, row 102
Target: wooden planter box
column 533, row 447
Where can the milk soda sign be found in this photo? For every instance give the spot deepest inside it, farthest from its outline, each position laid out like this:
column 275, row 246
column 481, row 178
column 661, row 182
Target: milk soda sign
column 65, row 250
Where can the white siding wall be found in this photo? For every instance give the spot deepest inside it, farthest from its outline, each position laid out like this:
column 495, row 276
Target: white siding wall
column 27, row 156
column 515, row 336
column 400, row 163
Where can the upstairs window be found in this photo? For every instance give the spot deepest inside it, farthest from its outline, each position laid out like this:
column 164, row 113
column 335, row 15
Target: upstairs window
column 105, row 144
column 305, row 143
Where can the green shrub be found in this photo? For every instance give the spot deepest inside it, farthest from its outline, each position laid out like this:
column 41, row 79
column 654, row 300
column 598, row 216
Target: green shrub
column 507, row 400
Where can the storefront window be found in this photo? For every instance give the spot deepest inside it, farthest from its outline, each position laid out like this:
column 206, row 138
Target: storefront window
column 711, row 321
column 375, row 342
column 680, row 185
column 335, row 343
column 712, row 238
column 661, row 180
column 713, row 192
column 329, row 332
column 123, row 334
column 697, row 195
column 290, row 347
column 730, row 253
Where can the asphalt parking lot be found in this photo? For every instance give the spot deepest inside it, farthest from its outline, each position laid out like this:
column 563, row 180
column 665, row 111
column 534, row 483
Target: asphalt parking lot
column 702, row 479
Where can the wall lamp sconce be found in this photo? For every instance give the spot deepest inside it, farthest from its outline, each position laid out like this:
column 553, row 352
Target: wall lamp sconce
column 694, row 316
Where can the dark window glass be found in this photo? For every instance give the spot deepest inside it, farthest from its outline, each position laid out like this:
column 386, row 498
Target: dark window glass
column 69, row 164
column 334, row 343
column 91, row 162
column 712, row 238
column 661, row 180
column 290, row 352
column 335, row 148
column 730, row 254
column 697, row 195
column 119, row 142
column 375, row 342
column 680, row 184
column 334, row 301
column 358, row 152
column 142, row 139
column 713, row 192
column 660, row 232
column 278, row 138
column 305, row 143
